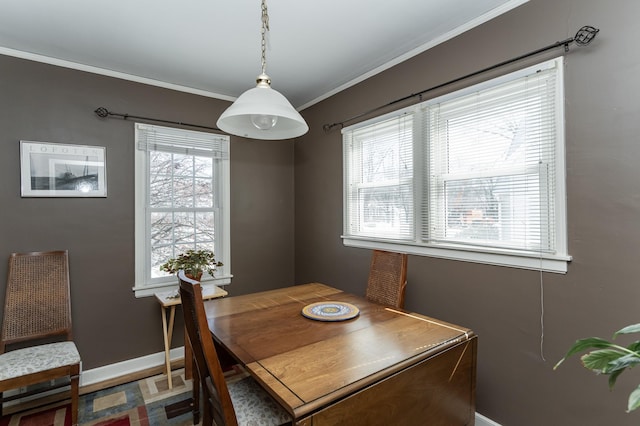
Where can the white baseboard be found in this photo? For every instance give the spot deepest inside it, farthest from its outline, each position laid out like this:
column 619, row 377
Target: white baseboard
column 484, row 421
column 112, row 371
column 119, row 369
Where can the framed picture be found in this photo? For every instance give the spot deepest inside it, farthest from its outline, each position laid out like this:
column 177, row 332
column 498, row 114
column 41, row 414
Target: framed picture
column 61, row 170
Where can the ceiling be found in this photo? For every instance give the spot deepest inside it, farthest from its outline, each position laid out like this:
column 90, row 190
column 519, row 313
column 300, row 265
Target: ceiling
column 212, row 47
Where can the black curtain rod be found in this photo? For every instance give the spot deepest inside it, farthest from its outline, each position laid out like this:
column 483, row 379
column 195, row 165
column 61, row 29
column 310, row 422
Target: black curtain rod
column 583, row 37
column 104, row 113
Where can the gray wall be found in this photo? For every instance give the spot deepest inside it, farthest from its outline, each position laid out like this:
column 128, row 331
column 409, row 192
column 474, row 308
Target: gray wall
column 516, row 383
column 600, row 293
column 44, row 103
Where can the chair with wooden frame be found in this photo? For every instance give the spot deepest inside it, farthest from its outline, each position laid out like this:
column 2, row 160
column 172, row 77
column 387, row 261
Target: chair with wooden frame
column 387, row 278
column 226, row 404
column 37, row 316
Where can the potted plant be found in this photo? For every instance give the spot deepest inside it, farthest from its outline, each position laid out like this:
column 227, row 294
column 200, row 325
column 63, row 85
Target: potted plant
column 193, row 263
column 610, row 359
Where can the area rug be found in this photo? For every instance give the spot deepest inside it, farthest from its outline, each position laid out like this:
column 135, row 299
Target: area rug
column 147, row 402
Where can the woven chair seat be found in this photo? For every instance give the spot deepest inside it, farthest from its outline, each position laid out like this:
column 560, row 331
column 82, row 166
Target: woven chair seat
column 39, row 358
column 254, row 406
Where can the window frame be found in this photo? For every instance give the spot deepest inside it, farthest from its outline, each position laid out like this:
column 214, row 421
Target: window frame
column 145, row 285
column 400, row 181
column 526, row 259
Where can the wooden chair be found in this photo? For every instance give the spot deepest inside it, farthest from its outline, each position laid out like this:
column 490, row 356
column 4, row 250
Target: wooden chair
column 37, row 309
column 387, row 278
column 238, row 403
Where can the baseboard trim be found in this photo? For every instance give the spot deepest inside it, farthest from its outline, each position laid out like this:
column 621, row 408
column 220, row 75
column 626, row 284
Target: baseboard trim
column 130, row 366
column 484, row 421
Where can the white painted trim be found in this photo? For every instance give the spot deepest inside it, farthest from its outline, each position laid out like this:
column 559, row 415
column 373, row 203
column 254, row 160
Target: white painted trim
column 151, row 290
column 433, row 43
column 542, row 262
column 112, row 371
column 512, row 4
column 484, row 421
column 111, row 73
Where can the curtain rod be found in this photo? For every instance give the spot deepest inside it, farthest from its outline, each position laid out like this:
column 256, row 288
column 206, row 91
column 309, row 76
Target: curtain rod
column 102, row 112
column 583, row 37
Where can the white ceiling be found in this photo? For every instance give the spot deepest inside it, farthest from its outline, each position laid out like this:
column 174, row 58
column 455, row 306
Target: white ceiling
column 212, row 47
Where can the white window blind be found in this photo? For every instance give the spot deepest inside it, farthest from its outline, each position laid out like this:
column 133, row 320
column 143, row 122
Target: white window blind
column 178, row 141
column 380, row 179
column 492, row 161
column 474, row 175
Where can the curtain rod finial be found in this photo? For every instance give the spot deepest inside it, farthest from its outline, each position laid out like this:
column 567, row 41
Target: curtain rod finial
column 329, row 127
column 102, row 112
column 585, row 35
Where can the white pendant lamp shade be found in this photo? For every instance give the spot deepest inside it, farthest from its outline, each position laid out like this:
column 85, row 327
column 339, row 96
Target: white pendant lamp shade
column 262, row 113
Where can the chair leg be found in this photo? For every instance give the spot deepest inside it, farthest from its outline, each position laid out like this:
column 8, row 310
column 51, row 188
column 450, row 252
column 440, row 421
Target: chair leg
column 75, row 381
column 226, row 359
column 196, row 397
column 207, row 415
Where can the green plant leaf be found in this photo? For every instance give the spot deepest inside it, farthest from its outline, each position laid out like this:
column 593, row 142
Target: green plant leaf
column 192, row 262
column 634, row 328
column 601, row 360
column 613, row 377
column 634, row 400
column 611, row 359
column 626, row 361
column 635, row 347
column 583, row 345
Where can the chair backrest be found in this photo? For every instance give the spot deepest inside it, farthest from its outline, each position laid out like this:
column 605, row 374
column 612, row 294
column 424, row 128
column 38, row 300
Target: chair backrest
column 37, row 303
column 204, row 351
column 387, row 278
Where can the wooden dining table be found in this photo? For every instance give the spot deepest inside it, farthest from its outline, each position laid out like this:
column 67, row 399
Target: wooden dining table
column 385, row 366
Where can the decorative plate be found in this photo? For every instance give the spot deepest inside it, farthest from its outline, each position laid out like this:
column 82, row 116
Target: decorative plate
column 330, row 311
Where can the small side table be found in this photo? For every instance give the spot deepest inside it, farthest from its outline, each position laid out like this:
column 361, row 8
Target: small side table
column 170, row 299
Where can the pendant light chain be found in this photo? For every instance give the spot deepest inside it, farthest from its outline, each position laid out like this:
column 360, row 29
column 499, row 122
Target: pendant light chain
column 265, row 28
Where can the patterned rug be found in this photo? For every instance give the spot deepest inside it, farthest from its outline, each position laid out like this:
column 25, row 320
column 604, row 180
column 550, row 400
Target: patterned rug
column 146, row 402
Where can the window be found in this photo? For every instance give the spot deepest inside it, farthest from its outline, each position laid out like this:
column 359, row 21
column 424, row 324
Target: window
column 182, row 202
column 475, row 175
column 380, row 169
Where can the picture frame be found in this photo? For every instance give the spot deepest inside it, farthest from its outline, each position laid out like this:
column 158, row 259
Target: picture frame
column 62, row 170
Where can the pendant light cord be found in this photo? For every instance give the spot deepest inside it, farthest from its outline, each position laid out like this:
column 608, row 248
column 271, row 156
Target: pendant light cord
column 265, row 29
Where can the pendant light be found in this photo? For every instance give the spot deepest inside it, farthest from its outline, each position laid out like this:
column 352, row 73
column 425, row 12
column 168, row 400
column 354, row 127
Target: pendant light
column 262, row 112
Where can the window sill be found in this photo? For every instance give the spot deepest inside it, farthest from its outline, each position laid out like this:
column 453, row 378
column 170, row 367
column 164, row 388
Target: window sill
column 538, row 262
column 150, row 290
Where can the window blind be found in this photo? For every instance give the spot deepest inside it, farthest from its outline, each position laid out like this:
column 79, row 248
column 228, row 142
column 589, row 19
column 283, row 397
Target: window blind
column 491, row 157
column 379, row 179
column 177, row 141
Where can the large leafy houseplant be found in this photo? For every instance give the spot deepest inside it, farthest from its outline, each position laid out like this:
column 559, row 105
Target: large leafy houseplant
column 193, row 263
column 605, row 357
